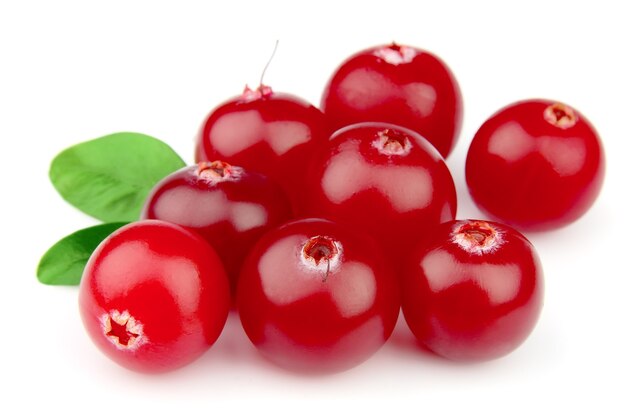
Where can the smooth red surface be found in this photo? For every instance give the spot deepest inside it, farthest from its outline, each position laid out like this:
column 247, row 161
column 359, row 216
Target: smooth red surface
column 266, row 132
column 231, row 212
column 396, row 198
column 322, row 318
column 472, row 305
column 169, row 280
column 530, row 173
column 397, row 84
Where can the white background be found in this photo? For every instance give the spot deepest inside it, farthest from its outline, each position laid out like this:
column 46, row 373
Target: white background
column 75, row 71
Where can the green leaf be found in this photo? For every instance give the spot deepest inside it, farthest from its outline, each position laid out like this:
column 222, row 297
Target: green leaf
column 110, row 177
column 64, row 262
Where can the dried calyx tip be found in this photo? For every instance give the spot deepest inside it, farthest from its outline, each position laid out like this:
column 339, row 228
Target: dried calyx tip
column 321, row 254
column 477, row 236
column 392, row 142
column 560, row 115
column 396, row 54
column 319, row 249
column 263, row 91
column 214, row 170
column 122, row 329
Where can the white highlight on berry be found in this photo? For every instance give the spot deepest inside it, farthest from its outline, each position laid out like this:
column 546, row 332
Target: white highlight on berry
column 173, row 271
column 208, row 208
column 511, row 142
column 566, row 156
column 446, row 213
column 364, row 89
column 353, row 292
column 235, row 132
column 284, row 135
column 500, row 289
column 420, row 97
column 500, row 281
column 349, row 173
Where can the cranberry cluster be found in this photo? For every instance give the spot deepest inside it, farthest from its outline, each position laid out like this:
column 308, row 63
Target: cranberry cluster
column 325, row 223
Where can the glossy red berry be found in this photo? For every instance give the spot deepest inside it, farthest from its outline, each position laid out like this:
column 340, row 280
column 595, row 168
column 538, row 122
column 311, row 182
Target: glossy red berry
column 227, row 205
column 397, row 84
column 266, row 132
column 154, row 296
column 536, row 165
column 315, row 296
column 383, row 180
column 472, row 290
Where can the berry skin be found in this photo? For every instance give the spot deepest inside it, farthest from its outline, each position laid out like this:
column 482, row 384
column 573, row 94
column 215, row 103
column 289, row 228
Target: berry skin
column 397, row 84
column 314, row 296
column 536, row 165
column 154, row 296
column 227, row 205
column 384, row 180
column 266, row 132
column 472, row 290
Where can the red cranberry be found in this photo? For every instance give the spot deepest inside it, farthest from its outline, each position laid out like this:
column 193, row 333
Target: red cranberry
column 154, row 296
column 536, row 165
column 472, row 290
column 266, row 132
column 315, row 296
column 229, row 206
column 401, row 85
column 384, row 180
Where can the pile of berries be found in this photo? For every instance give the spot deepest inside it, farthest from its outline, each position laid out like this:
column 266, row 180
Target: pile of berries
column 319, row 225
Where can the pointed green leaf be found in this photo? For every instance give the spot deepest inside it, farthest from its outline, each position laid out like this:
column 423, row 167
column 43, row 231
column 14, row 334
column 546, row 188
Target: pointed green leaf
column 64, row 262
column 110, row 177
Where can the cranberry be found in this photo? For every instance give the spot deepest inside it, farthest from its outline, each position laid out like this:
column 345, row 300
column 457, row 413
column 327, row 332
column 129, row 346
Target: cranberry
column 472, row 290
column 154, row 296
column 229, row 206
column 382, row 179
column 266, row 132
column 536, row 165
column 401, row 85
column 315, row 296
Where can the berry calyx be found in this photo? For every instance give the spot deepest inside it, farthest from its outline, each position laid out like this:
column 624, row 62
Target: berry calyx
column 477, row 237
column 396, row 54
column 322, row 253
column 392, row 142
column 122, row 329
column 216, row 171
column 261, row 92
column 560, row 115
column 320, row 249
